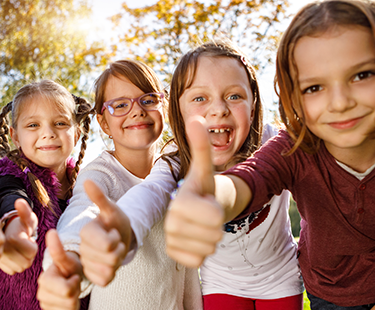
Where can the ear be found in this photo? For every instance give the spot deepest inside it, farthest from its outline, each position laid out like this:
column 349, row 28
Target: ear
column 252, row 113
column 103, row 124
column 14, row 136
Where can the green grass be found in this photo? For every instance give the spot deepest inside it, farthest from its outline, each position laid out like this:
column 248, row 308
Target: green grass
column 306, row 302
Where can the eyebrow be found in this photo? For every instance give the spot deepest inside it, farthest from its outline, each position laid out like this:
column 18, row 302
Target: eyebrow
column 352, row 68
column 205, row 86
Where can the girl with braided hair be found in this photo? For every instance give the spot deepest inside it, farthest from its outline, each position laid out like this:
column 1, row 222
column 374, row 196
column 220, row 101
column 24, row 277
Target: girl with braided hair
column 36, row 180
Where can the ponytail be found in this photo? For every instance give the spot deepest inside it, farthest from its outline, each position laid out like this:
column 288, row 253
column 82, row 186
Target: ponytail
column 82, row 115
column 4, row 130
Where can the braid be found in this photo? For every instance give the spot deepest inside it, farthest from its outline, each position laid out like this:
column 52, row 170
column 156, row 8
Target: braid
column 4, row 130
column 38, row 189
column 82, row 117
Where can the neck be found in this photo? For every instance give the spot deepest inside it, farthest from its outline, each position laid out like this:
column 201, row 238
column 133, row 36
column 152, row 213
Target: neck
column 359, row 159
column 137, row 162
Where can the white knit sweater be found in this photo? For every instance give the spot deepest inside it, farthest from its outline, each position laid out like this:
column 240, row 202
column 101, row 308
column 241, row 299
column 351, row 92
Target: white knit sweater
column 150, row 280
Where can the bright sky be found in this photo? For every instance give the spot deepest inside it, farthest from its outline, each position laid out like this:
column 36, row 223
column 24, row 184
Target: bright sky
column 103, row 29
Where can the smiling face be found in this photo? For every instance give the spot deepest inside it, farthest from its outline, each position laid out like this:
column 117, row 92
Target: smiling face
column 221, row 93
column 336, row 72
column 45, row 134
column 139, row 129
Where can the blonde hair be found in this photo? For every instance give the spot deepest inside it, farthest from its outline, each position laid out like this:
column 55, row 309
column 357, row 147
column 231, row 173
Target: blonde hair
column 55, row 93
column 312, row 20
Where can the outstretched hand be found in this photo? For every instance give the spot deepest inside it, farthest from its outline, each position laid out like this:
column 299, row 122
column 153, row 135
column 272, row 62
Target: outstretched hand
column 106, row 240
column 20, row 248
column 194, row 221
column 59, row 285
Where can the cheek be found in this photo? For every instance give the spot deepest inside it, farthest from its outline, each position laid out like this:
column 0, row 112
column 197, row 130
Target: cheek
column 243, row 118
column 193, row 111
column 311, row 110
column 158, row 118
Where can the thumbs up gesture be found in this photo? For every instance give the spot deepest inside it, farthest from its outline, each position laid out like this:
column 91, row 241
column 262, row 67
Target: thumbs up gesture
column 194, row 221
column 105, row 241
column 19, row 248
column 59, row 285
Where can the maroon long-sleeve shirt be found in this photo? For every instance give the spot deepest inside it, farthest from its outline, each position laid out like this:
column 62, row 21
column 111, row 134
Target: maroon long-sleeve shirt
column 336, row 250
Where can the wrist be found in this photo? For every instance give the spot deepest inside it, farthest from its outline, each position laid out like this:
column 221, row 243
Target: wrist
column 7, row 218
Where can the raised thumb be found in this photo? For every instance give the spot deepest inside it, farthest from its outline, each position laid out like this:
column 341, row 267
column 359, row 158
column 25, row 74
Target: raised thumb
column 27, row 217
column 106, row 207
column 201, row 167
column 60, row 258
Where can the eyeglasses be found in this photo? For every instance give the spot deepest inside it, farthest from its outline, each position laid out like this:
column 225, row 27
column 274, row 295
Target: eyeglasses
column 122, row 106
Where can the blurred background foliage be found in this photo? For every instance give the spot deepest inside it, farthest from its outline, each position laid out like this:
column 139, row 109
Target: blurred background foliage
column 159, row 34
column 42, row 39
column 45, row 38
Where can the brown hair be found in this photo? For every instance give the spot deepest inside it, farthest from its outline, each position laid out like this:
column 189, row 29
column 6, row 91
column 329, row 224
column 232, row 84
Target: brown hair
column 183, row 78
column 312, row 20
column 136, row 72
column 78, row 107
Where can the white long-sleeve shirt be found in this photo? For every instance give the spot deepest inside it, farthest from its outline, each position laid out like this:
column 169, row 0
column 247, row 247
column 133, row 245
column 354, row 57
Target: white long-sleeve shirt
column 150, row 279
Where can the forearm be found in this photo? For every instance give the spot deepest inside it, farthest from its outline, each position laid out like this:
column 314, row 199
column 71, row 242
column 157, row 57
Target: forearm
column 11, row 188
column 146, row 203
column 233, row 194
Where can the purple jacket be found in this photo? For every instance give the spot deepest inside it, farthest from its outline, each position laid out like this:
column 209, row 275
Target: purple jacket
column 18, row 292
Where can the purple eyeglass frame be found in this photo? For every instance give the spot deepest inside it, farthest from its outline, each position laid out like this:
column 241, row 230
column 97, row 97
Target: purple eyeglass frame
column 132, row 100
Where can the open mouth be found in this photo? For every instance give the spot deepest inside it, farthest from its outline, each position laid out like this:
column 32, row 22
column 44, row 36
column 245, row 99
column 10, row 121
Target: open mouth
column 220, row 136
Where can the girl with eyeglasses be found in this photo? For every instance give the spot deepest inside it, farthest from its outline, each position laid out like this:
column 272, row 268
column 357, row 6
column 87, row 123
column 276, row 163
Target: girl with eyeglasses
column 130, row 105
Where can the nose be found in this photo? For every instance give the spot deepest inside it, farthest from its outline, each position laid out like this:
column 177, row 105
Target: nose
column 219, row 108
column 137, row 110
column 341, row 99
column 48, row 132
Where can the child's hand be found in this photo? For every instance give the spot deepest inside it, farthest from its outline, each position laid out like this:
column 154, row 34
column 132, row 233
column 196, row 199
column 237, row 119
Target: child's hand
column 59, row 285
column 105, row 241
column 194, row 221
column 20, row 248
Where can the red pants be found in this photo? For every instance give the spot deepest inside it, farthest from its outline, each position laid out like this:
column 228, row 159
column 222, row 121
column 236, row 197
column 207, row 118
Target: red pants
column 229, row 302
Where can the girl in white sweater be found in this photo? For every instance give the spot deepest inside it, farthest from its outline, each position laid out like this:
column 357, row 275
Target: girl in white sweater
column 130, row 105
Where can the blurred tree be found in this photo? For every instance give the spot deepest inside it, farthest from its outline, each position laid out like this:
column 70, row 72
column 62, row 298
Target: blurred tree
column 159, row 34
column 46, row 39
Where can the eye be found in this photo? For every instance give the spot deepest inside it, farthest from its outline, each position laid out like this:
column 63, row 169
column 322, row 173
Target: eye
column 234, row 97
column 61, row 124
column 363, row 75
column 121, row 105
column 199, row 99
column 33, row 125
column 312, row 89
column 150, row 100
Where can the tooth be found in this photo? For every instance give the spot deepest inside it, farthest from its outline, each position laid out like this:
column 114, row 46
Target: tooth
column 217, row 130
column 222, row 130
column 227, row 129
